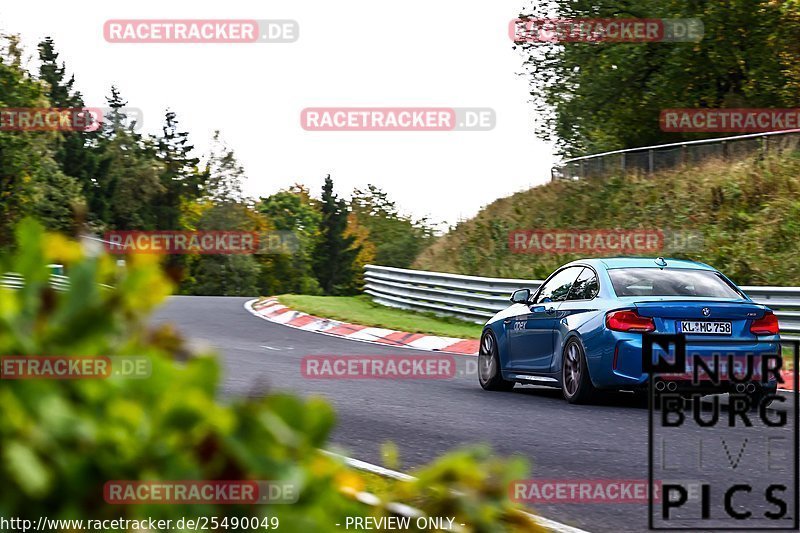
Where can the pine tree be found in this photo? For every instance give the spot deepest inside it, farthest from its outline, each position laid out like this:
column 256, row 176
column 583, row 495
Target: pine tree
column 180, row 178
column 335, row 253
column 116, row 118
column 225, row 175
column 128, row 177
column 73, row 150
column 60, row 92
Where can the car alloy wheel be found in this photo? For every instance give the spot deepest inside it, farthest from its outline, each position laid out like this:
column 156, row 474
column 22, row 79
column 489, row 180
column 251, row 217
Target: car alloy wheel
column 572, row 369
column 486, row 363
column 489, row 374
column 576, row 384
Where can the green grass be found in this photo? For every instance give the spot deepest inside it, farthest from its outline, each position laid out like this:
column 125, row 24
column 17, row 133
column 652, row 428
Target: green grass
column 361, row 310
column 748, row 213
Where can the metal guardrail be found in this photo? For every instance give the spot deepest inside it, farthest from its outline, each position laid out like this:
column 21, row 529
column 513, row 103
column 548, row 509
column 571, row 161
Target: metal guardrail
column 15, row 281
column 466, row 297
column 476, row 299
column 667, row 156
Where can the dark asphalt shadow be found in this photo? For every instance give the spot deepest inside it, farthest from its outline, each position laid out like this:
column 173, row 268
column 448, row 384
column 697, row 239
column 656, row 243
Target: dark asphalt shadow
column 625, row 400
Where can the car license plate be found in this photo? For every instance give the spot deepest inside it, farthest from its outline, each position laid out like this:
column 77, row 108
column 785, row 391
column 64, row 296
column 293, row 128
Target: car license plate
column 696, row 327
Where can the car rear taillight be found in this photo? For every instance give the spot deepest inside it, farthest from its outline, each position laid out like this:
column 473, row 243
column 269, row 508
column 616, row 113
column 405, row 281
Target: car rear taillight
column 766, row 325
column 629, row 321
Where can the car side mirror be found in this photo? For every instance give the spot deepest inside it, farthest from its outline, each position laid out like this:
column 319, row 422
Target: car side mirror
column 521, row 296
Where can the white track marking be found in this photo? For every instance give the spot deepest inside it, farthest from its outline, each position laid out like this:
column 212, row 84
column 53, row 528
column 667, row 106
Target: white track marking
column 370, row 334
column 312, row 326
column 552, row 525
column 288, row 316
column 430, row 342
column 369, row 467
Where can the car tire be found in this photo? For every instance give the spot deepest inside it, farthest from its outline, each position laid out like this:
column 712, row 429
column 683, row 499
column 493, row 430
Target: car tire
column 489, row 375
column 576, row 385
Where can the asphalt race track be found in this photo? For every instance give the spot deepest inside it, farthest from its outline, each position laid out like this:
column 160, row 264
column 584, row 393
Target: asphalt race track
column 608, row 440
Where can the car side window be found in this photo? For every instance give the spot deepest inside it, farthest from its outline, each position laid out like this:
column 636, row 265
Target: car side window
column 557, row 288
column 585, row 287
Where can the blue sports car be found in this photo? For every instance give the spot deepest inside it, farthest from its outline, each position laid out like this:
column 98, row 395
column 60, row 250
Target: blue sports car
column 582, row 330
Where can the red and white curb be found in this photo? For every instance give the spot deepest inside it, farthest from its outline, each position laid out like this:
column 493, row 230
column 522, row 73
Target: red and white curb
column 272, row 310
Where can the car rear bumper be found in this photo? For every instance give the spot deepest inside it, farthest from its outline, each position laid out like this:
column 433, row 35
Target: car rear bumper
column 617, row 361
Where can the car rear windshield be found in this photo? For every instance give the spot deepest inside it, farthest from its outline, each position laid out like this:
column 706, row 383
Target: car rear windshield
column 671, row 282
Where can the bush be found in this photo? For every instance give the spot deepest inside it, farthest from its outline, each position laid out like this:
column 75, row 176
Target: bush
column 61, row 441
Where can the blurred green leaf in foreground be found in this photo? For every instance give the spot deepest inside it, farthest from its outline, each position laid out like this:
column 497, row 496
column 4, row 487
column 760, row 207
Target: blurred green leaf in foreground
column 62, row 440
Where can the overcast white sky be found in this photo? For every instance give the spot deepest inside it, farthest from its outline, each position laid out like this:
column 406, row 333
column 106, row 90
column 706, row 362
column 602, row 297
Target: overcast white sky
column 357, row 53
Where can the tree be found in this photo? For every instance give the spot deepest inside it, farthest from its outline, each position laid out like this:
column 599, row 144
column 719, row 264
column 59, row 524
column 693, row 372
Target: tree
column 55, row 198
column 73, row 153
column 397, row 239
column 117, row 119
column 180, row 178
column 292, row 210
column 31, row 181
column 127, row 181
column 335, row 252
column 61, row 93
column 366, row 251
column 133, row 176
column 223, row 274
column 223, row 207
column 595, row 97
column 225, row 175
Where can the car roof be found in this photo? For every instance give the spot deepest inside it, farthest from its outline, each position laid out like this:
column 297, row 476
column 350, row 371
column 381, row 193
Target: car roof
column 641, row 262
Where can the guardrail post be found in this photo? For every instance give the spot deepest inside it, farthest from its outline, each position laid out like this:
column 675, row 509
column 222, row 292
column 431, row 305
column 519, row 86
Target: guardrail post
column 650, row 161
column 580, row 171
column 724, row 150
column 622, row 162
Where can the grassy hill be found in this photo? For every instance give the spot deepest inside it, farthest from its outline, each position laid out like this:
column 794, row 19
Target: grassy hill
column 747, row 211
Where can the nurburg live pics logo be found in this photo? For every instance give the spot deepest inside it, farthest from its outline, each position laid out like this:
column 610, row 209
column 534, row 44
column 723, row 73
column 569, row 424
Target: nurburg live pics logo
column 744, row 458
